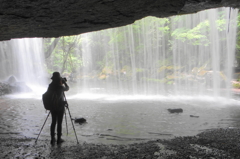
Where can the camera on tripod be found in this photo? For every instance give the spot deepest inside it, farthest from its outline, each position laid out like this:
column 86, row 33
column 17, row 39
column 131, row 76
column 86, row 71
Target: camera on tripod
column 64, row 79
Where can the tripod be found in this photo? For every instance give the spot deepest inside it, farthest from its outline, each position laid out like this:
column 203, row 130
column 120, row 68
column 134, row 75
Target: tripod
column 42, row 127
column 66, row 105
column 70, row 116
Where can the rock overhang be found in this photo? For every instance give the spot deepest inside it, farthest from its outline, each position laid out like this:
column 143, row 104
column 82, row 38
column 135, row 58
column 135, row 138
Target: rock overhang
column 35, row 18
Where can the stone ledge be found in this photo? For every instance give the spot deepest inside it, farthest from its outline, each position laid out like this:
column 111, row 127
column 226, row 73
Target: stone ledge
column 32, row 18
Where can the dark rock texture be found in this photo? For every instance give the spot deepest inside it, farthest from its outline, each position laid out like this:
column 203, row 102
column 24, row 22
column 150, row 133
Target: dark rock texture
column 176, row 110
column 44, row 18
column 214, row 144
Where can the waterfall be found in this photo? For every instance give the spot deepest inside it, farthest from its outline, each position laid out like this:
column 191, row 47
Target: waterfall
column 24, row 60
column 181, row 55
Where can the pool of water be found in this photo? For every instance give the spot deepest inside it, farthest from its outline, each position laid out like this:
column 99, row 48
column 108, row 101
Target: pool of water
column 119, row 119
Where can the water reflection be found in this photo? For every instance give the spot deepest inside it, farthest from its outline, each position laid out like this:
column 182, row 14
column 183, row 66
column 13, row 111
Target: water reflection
column 120, row 120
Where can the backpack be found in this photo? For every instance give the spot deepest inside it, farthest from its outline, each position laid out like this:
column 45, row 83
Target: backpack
column 50, row 100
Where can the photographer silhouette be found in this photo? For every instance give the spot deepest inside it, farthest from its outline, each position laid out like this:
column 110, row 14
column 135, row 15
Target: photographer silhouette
column 57, row 86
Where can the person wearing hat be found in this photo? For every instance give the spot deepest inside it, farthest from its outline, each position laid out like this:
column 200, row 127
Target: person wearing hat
column 58, row 86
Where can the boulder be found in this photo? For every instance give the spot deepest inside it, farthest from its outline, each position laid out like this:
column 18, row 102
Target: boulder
column 17, row 86
column 11, row 80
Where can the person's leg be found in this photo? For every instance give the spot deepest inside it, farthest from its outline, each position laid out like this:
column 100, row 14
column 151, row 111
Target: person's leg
column 53, row 125
column 59, row 126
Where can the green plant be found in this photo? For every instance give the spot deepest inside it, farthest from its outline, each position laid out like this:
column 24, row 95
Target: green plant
column 236, row 85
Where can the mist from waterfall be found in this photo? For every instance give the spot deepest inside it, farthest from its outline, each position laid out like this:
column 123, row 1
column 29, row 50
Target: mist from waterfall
column 145, row 58
column 23, row 60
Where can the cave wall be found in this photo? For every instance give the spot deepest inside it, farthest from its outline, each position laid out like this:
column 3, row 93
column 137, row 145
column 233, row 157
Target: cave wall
column 55, row 18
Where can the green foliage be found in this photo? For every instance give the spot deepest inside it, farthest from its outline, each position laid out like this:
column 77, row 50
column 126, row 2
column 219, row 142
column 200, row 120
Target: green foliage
column 164, row 29
column 116, row 37
column 221, row 24
column 170, row 82
column 180, row 33
column 236, row 85
column 176, row 19
column 139, row 70
column 238, row 41
column 194, row 36
column 64, row 57
column 112, row 48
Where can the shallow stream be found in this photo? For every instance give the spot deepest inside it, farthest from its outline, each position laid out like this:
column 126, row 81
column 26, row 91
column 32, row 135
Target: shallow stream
column 119, row 119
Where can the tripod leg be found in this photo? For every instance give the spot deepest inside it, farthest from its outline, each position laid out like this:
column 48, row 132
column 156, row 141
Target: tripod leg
column 66, row 121
column 72, row 124
column 42, row 127
column 70, row 117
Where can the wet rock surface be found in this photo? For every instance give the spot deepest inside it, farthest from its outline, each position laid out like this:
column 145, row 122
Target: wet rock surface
column 9, row 88
column 5, row 89
column 31, row 18
column 216, row 143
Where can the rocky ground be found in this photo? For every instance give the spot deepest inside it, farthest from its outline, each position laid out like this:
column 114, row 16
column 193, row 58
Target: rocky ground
column 211, row 144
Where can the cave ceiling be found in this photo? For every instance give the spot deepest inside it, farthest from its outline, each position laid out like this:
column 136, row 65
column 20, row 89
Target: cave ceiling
column 55, row 18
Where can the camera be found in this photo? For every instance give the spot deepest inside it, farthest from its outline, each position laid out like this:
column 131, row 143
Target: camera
column 64, row 79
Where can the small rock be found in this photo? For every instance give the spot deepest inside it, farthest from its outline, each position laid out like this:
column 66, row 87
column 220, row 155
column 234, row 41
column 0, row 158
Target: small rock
column 176, row 110
column 194, row 116
column 80, row 120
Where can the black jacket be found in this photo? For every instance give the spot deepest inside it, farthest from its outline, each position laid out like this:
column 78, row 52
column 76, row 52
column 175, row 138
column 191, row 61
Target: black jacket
column 59, row 90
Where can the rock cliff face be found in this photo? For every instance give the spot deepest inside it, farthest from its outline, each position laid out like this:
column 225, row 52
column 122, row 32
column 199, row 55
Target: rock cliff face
column 54, row 18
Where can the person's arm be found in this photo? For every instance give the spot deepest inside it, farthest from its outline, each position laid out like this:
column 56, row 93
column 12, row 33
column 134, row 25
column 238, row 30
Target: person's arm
column 66, row 88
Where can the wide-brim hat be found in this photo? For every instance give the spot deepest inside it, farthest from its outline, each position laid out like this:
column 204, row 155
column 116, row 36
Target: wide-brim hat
column 56, row 76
